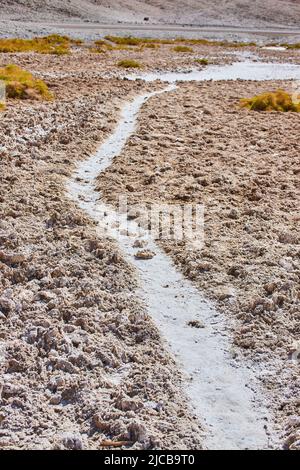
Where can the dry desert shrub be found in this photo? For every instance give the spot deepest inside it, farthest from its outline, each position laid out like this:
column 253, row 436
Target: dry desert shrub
column 292, row 46
column 101, row 47
column 134, row 41
column 152, row 45
column 182, row 49
column 278, row 100
column 21, row 84
column 202, row 61
column 53, row 44
column 126, row 41
column 129, row 64
column 208, row 42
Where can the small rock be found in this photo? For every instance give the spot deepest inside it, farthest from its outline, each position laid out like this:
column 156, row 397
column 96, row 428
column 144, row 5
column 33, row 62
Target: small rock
column 72, row 441
column 196, row 324
column 144, row 254
column 139, row 243
column 224, row 293
column 56, row 399
column 133, row 214
column 233, row 214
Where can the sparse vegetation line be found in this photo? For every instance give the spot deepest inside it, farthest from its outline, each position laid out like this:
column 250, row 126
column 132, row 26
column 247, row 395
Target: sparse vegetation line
column 53, row 44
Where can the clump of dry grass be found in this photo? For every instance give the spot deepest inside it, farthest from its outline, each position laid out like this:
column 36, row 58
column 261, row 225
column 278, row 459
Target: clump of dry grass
column 152, row 45
column 53, row 44
column 100, row 42
column 278, row 100
column 182, row 49
column 2, row 106
column 21, row 84
column 129, row 64
column 98, row 50
column 292, row 46
column 101, row 47
column 208, row 42
column 125, row 41
column 202, row 61
column 134, row 41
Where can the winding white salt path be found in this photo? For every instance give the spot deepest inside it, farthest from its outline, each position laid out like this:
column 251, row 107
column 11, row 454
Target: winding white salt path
column 223, row 392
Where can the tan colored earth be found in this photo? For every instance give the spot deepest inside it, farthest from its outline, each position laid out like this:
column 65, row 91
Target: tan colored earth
column 229, row 12
column 81, row 360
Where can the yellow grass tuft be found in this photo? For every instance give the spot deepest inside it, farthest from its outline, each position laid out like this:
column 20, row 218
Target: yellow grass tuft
column 21, row 84
column 182, row 49
column 278, row 100
column 134, row 41
column 128, row 40
column 98, row 50
column 292, row 46
column 129, row 64
column 2, row 106
column 152, row 45
column 207, row 42
column 101, row 47
column 202, row 61
column 53, row 44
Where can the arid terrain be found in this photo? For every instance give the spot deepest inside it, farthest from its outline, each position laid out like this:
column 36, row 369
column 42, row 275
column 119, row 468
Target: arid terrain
column 200, row 12
column 262, row 21
column 196, row 145
column 83, row 364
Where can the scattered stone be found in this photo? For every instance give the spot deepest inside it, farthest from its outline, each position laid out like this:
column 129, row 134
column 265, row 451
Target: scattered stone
column 144, row 254
column 196, row 324
column 139, row 244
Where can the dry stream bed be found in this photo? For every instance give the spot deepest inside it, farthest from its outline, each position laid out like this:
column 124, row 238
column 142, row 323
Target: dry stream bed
column 96, row 328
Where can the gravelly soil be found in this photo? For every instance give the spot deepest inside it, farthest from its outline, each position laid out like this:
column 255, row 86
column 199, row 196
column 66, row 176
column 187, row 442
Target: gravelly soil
column 195, row 145
column 74, row 338
column 231, row 12
column 80, row 359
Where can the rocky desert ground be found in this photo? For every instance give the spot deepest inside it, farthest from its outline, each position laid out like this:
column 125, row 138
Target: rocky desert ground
column 205, row 12
column 196, row 145
column 84, row 366
column 264, row 21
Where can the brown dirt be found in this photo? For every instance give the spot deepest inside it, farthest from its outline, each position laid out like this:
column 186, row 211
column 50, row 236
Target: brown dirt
column 74, row 339
column 81, row 361
column 228, row 12
column 196, row 145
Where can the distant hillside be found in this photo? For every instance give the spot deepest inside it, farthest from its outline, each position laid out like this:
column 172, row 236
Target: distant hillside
column 200, row 12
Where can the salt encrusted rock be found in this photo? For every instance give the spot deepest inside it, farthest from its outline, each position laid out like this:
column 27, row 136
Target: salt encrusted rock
column 72, row 441
column 139, row 243
column 144, row 254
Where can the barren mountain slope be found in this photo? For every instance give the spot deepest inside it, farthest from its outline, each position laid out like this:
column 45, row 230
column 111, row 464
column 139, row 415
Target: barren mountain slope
column 224, row 12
